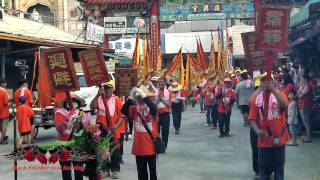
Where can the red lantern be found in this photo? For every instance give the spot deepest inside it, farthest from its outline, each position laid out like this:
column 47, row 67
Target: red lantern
column 29, row 156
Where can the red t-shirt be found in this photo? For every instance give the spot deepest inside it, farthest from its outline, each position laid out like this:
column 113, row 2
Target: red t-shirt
column 277, row 127
column 224, row 104
column 27, row 94
column 24, row 113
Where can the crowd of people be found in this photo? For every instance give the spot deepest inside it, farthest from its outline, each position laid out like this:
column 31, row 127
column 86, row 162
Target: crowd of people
column 276, row 109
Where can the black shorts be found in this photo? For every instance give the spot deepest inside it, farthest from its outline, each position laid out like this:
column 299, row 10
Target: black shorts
column 244, row 109
column 25, row 133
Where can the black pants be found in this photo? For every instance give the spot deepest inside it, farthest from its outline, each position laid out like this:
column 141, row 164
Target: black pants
column 130, row 123
column 176, row 114
column 224, row 123
column 164, row 126
column 212, row 114
column 67, row 166
column 143, row 162
column 121, row 145
column 254, row 148
column 272, row 160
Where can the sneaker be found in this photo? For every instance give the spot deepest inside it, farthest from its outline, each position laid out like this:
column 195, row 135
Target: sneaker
column 177, row 132
column 105, row 174
column 115, row 175
column 206, row 125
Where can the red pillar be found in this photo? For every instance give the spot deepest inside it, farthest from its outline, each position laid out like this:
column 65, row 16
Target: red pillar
column 105, row 43
column 155, row 32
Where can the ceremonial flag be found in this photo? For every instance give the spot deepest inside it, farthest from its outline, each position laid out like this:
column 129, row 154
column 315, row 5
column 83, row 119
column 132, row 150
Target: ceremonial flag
column 182, row 76
column 175, row 62
column 219, row 63
column 159, row 61
column 146, row 58
column 136, row 53
column 203, row 58
column 212, row 62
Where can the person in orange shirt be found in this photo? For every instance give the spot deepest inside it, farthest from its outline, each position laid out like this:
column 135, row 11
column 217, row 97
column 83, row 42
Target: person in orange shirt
column 163, row 103
column 271, row 130
column 112, row 126
column 139, row 107
column 24, row 91
column 225, row 98
column 24, row 115
column 4, row 112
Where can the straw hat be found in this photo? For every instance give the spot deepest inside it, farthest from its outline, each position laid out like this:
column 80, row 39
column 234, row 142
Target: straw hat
column 147, row 91
column 155, row 78
column 175, row 87
column 244, row 71
column 109, row 84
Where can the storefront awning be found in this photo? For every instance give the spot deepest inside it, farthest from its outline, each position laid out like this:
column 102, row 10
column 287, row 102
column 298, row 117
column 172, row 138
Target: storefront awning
column 304, row 13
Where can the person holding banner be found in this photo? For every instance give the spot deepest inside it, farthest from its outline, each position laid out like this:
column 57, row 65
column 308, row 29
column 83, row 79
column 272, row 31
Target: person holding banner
column 111, row 125
column 270, row 126
column 163, row 103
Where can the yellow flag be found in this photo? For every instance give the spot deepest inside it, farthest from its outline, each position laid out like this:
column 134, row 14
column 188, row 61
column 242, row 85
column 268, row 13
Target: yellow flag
column 159, row 61
column 212, row 63
column 182, row 73
column 136, row 53
column 187, row 81
column 146, row 59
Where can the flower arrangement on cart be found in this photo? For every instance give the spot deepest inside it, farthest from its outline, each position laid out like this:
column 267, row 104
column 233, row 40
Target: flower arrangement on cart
column 89, row 144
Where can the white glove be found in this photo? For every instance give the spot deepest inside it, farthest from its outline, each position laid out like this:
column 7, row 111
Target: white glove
column 140, row 93
column 133, row 93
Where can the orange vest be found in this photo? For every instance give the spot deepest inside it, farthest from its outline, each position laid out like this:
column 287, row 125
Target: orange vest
column 24, row 113
column 23, row 92
column 4, row 102
column 142, row 142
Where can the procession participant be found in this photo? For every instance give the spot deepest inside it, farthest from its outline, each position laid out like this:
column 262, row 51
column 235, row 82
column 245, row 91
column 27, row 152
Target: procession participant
column 24, row 115
column 243, row 91
column 233, row 81
column 238, row 75
column 4, row 112
column 176, row 106
column 201, row 87
column 271, row 130
column 211, row 107
column 140, row 108
column 163, row 103
column 225, row 98
column 24, row 91
column 111, row 125
column 63, row 116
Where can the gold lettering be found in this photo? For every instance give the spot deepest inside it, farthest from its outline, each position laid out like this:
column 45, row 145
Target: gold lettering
column 273, row 18
column 205, row 8
column 57, row 60
column 195, row 8
column 271, row 37
column 62, row 78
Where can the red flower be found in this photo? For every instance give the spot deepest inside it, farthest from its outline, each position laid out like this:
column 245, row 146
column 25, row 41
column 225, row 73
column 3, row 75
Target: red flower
column 65, row 155
column 42, row 158
column 53, row 158
column 29, row 156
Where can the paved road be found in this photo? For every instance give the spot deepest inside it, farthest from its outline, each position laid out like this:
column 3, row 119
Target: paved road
column 196, row 154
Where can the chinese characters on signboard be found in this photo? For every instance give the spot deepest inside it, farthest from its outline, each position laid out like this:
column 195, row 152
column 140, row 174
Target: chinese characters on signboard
column 273, row 23
column 61, row 71
column 94, row 33
column 93, row 66
column 206, row 8
column 126, row 79
column 155, row 41
column 115, row 25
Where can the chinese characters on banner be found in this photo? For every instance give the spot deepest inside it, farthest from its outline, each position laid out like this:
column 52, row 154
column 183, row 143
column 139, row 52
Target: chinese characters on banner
column 255, row 57
column 273, row 23
column 126, row 79
column 155, row 41
column 94, row 67
column 60, row 68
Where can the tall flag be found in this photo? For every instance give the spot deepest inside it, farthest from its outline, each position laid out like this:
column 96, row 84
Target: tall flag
column 182, row 76
column 220, row 70
column 212, row 62
column 174, row 69
column 146, row 58
column 194, row 72
column 136, row 53
column 203, row 58
column 187, row 81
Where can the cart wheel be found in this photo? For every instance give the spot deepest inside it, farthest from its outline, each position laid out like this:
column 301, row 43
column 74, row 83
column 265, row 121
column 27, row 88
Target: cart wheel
column 35, row 132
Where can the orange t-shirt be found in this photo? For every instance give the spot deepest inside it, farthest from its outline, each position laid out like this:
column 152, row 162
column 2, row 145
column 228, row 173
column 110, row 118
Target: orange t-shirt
column 114, row 119
column 27, row 94
column 142, row 142
column 4, row 104
column 277, row 127
column 24, row 113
